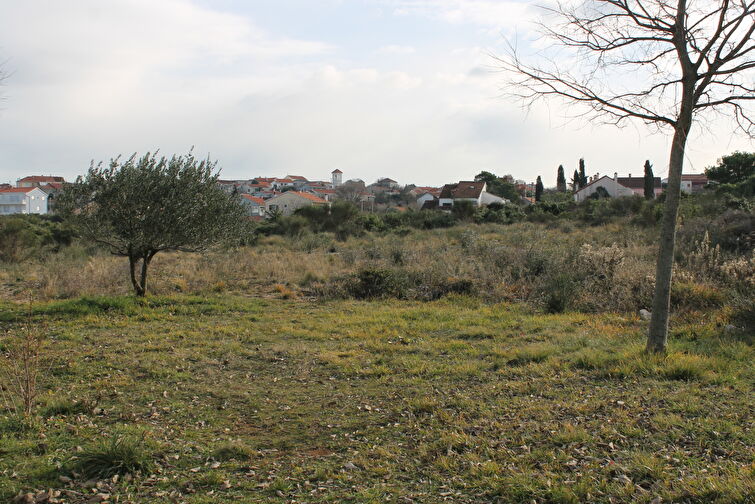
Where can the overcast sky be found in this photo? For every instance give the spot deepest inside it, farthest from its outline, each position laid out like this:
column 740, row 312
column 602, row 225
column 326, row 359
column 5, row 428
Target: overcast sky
column 398, row 88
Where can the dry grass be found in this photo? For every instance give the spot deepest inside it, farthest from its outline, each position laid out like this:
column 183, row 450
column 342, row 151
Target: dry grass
column 594, row 269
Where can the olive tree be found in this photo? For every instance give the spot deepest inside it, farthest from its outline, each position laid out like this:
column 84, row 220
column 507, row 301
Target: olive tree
column 149, row 204
column 665, row 63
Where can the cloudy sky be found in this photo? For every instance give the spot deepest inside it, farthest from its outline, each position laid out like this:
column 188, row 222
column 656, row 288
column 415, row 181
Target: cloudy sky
column 399, row 88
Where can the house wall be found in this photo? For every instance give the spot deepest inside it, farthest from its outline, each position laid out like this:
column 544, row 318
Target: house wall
column 287, row 203
column 611, row 186
column 425, row 197
column 33, row 202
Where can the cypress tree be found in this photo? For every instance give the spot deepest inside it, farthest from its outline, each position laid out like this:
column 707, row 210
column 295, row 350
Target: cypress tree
column 561, row 179
column 649, row 181
column 538, row 189
column 582, row 174
column 575, row 182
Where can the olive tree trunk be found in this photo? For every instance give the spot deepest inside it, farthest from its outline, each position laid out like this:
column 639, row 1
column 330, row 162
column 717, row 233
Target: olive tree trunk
column 139, row 284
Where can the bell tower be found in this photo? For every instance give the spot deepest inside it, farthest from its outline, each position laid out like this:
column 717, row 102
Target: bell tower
column 337, row 177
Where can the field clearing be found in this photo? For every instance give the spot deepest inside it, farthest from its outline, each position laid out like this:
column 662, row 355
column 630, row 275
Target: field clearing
column 271, row 400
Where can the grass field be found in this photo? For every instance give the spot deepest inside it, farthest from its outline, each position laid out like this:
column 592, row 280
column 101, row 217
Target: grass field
column 227, row 398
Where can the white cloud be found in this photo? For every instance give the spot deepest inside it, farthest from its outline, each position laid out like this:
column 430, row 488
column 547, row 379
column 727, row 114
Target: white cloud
column 396, row 49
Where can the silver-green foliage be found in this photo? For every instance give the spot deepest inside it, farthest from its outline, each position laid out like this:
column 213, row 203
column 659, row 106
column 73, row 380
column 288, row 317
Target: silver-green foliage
column 148, row 204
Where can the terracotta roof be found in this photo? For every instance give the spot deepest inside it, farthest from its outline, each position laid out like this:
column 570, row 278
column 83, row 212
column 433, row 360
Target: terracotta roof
column 42, row 178
column 336, row 171
column 284, row 180
column 253, row 199
column 311, row 197
column 296, row 177
column 699, row 178
column 19, row 189
column 637, row 182
column 464, row 189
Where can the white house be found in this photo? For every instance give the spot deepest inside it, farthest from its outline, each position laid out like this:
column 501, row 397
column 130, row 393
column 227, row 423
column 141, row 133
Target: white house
column 23, row 200
column 610, row 185
column 467, row 191
column 288, row 202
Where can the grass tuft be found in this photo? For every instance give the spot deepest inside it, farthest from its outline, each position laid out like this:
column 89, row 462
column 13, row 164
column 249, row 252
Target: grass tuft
column 119, row 455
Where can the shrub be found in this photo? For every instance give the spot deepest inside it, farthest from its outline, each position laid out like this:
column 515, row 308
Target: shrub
column 373, row 283
column 695, row 296
column 560, row 291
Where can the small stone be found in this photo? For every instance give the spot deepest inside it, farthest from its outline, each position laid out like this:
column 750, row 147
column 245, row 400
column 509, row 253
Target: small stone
column 64, row 479
column 100, row 497
column 657, row 500
column 645, row 315
column 350, row 466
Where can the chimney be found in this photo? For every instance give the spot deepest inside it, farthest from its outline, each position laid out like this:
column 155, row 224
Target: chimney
column 630, row 175
column 615, row 175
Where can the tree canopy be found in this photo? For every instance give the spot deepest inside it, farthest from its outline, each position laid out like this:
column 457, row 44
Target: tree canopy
column 733, row 169
column 149, row 204
column 499, row 186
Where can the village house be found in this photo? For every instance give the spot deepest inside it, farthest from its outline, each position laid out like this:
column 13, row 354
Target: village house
column 475, row 192
column 254, row 206
column 23, row 200
column 287, row 203
column 617, row 186
column 693, row 183
column 39, row 181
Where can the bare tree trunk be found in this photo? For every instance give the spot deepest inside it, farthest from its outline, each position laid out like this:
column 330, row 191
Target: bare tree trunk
column 659, row 320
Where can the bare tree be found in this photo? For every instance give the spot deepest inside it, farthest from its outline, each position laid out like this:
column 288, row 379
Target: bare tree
column 665, row 63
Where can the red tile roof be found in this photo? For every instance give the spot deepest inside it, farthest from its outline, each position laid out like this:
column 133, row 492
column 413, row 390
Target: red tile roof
column 311, row 197
column 336, row 171
column 42, row 178
column 637, row 182
column 463, row 189
column 253, row 199
column 18, row 189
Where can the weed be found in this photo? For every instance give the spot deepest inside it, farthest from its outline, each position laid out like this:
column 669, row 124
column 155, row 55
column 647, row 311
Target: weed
column 118, row 455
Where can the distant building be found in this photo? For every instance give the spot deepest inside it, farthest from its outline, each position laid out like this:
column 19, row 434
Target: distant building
column 39, row 181
column 254, row 206
column 288, row 202
column 475, row 192
column 23, row 200
column 337, row 176
column 693, row 183
column 617, row 186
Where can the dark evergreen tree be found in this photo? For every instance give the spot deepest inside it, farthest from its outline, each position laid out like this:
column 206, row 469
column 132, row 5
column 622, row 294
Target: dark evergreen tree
column 538, row 189
column 561, row 179
column 649, row 181
column 582, row 174
column 575, row 182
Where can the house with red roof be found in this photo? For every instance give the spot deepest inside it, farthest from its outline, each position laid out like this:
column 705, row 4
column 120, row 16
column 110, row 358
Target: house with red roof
column 475, row 192
column 290, row 201
column 617, row 186
column 23, row 200
column 38, row 181
column 254, row 206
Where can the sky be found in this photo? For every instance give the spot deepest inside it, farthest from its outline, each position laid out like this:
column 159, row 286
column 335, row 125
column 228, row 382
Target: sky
column 406, row 89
